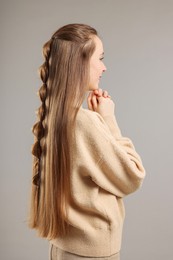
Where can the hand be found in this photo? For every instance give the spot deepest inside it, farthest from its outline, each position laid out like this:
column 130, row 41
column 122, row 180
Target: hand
column 93, row 96
column 99, row 92
column 100, row 102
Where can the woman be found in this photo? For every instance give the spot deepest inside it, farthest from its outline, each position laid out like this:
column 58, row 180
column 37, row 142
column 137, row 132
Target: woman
column 82, row 165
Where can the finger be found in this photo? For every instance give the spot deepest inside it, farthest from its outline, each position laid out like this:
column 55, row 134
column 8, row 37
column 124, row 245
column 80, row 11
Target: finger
column 105, row 93
column 94, row 101
column 98, row 92
column 100, row 100
column 89, row 102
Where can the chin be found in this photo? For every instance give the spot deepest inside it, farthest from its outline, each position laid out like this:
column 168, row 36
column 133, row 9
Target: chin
column 94, row 87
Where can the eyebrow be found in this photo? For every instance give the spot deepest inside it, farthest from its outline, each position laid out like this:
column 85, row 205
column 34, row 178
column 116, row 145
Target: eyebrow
column 102, row 54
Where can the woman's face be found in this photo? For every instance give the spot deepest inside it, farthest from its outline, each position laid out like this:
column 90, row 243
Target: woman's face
column 97, row 66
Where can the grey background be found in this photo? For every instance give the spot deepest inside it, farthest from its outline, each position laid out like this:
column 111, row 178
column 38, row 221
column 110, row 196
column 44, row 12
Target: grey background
column 138, row 43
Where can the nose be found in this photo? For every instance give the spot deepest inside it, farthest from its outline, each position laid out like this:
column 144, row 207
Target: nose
column 104, row 68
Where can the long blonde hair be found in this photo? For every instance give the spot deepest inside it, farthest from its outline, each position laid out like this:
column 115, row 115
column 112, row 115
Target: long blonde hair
column 65, row 77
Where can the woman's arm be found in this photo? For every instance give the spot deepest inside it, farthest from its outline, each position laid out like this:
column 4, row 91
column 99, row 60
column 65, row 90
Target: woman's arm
column 120, row 170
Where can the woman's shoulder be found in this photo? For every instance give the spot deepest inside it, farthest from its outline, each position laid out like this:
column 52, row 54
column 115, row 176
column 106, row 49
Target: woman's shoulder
column 92, row 122
column 86, row 116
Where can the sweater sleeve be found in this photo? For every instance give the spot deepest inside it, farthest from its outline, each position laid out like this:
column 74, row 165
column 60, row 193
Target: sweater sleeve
column 120, row 170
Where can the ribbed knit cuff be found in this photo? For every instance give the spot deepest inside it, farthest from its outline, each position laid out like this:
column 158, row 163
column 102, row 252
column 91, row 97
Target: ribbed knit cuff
column 113, row 125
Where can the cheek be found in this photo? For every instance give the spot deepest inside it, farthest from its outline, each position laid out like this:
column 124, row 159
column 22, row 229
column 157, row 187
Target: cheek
column 97, row 69
column 93, row 71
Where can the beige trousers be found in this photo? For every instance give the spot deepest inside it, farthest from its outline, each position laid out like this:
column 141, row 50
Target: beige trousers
column 56, row 253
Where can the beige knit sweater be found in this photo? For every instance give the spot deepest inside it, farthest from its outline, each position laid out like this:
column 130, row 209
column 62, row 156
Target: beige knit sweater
column 106, row 168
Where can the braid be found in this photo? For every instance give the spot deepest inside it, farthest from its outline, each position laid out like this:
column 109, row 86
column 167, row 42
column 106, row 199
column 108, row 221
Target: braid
column 38, row 128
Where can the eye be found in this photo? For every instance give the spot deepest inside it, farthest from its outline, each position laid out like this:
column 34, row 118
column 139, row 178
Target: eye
column 101, row 58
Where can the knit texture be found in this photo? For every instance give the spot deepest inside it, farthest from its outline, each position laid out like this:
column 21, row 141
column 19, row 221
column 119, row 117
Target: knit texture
column 105, row 168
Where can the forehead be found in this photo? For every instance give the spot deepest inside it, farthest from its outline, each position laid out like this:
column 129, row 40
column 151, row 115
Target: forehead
column 98, row 44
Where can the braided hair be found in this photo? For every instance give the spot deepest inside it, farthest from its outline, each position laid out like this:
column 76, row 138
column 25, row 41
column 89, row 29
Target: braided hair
column 38, row 128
